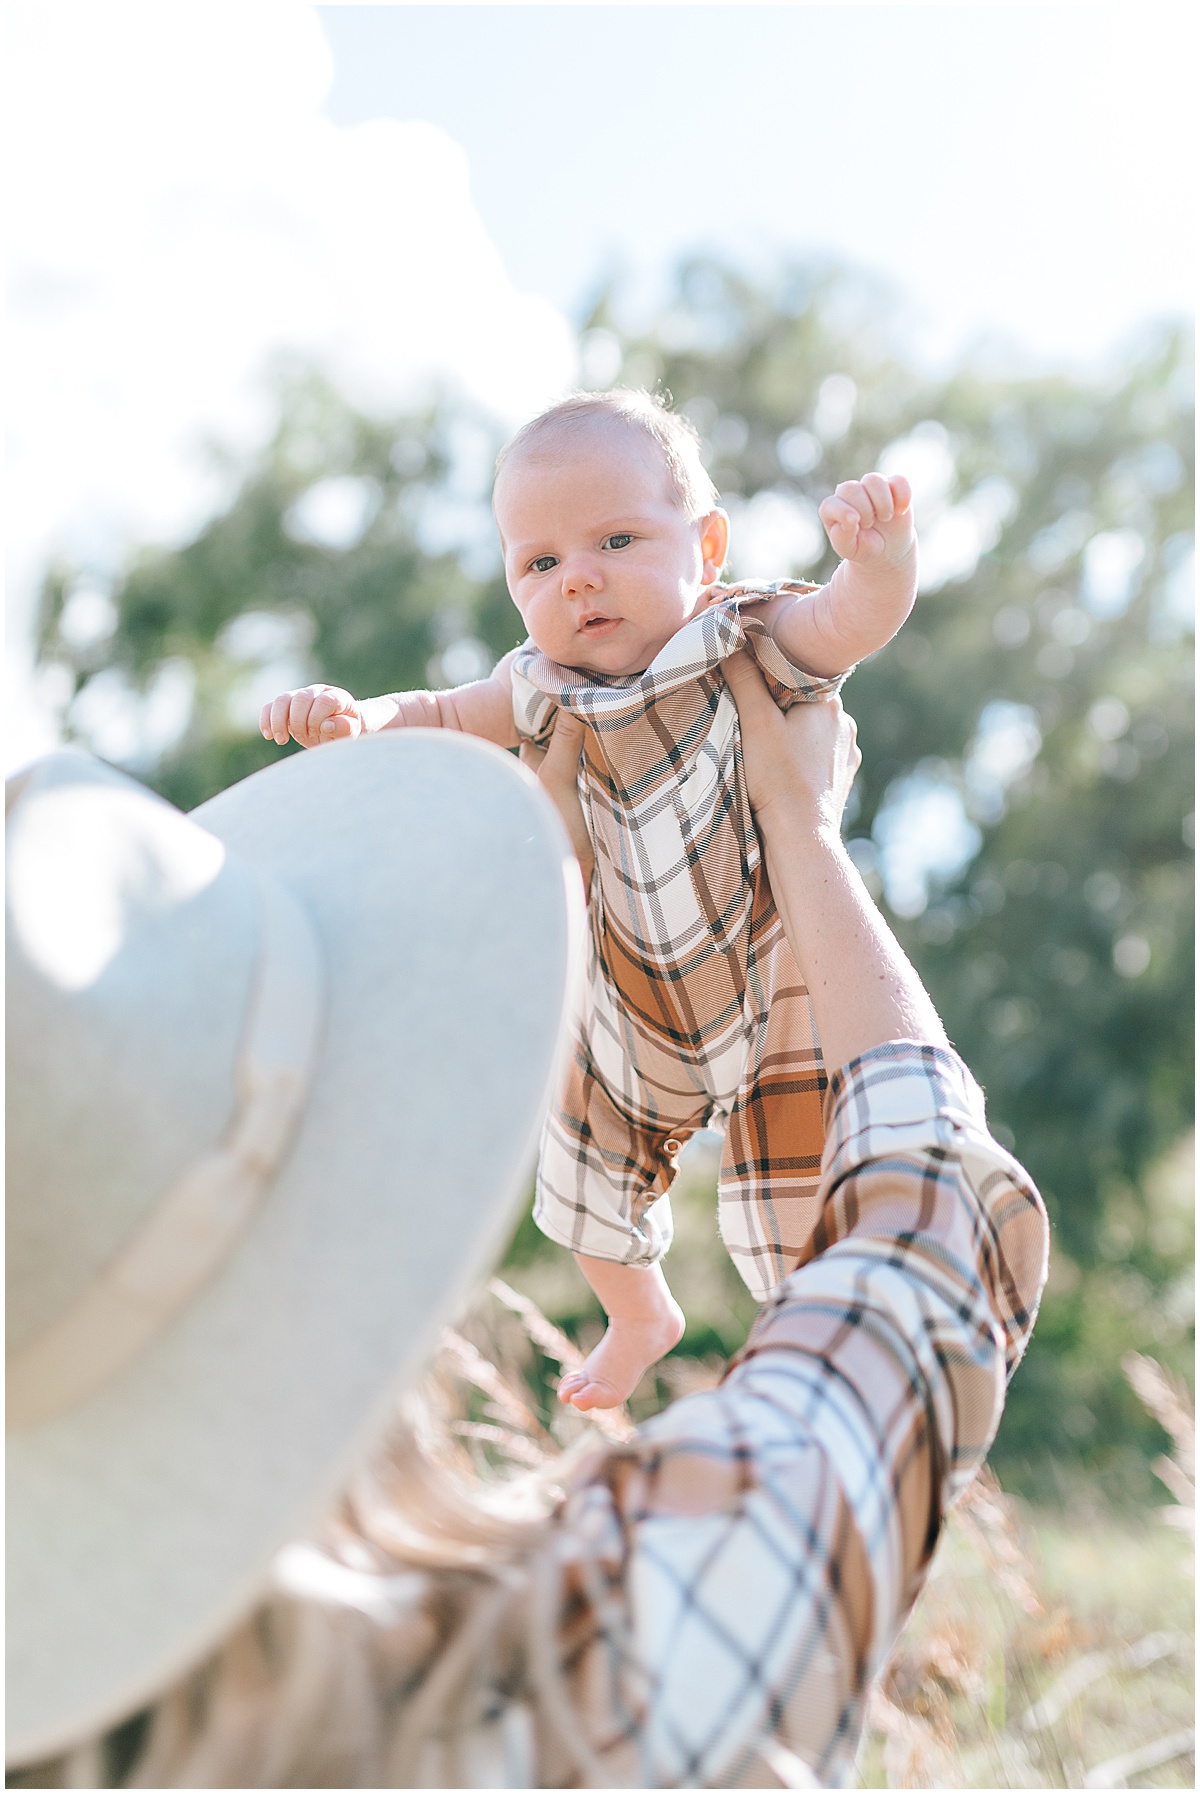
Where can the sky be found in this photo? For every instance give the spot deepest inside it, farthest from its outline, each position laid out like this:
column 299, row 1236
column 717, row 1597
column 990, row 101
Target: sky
column 411, row 194
column 1024, row 169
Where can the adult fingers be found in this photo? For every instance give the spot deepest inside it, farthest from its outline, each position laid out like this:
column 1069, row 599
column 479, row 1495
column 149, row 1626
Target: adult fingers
column 848, row 737
column 825, row 753
column 766, row 742
column 744, row 679
column 557, row 769
column 852, row 760
column 564, row 748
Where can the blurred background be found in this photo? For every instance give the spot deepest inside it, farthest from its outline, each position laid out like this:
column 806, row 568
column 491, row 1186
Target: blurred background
column 284, row 277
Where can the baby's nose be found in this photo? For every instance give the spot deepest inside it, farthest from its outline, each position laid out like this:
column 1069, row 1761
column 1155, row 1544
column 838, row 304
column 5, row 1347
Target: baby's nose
column 580, row 575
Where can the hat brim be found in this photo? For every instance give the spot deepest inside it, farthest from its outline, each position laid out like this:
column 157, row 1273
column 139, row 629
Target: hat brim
column 142, row 1523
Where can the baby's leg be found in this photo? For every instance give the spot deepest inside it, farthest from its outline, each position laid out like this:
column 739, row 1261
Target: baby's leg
column 774, row 1140
column 644, row 1323
column 601, row 1192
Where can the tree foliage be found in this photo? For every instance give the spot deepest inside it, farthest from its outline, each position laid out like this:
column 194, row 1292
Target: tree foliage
column 1024, row 809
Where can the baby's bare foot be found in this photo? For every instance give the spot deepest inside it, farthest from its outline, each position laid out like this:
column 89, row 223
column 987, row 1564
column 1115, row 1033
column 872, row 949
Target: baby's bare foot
column 613, row 1371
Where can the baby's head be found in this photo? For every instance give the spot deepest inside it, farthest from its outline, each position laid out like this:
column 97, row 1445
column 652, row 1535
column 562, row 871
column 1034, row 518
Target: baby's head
column 610, row 529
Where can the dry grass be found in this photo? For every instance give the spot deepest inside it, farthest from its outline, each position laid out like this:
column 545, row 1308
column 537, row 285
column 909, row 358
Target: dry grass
column 1048, row 1650
column 1051, row 1650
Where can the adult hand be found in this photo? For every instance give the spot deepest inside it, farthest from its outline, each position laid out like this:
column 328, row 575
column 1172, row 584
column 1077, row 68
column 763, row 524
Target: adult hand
column 803, row 760
column 799, row 770
column 557, row 767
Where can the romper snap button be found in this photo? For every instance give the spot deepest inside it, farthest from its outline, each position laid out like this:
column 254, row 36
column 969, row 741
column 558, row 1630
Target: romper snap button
column 672, row 1147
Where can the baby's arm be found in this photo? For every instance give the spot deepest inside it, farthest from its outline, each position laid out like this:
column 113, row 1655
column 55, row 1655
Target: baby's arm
column 320, row 713
column 870, row 524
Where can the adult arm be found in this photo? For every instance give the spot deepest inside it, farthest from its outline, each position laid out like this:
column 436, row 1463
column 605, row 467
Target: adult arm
column 768, row 1537
column 557, row 768
column 799, row 770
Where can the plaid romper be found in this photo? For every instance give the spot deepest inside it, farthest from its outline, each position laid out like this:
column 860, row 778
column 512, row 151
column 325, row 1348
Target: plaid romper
column 692, row 1011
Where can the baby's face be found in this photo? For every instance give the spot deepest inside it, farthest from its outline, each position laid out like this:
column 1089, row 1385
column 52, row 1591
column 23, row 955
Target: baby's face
column 602, row 561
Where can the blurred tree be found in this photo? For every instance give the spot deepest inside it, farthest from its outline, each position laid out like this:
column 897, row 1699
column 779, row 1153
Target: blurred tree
column 1024, row 809
column 340, row 557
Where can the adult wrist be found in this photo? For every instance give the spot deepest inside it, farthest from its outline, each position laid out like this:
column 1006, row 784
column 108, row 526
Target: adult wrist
column 793, row 820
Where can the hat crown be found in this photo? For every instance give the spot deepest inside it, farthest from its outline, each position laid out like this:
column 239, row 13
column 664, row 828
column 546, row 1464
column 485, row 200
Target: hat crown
column 431, row 878
column 132, row 937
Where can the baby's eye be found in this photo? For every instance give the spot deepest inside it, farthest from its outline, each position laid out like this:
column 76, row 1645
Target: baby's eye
column 543, row 563
column 618, row 541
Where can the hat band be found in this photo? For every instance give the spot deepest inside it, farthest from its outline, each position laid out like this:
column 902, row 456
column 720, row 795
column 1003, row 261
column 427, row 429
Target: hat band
column 194, row 1226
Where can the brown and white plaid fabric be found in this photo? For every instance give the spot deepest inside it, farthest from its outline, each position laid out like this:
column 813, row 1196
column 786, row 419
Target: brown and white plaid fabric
column 693, row 1010
column 711, row 1602
column 744, row 1566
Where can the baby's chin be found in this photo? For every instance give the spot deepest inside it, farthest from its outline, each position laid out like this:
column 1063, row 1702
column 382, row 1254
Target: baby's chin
column 616, row 659
column 611, row 665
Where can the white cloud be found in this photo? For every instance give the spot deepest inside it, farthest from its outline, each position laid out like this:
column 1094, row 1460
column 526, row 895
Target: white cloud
column 183, row 210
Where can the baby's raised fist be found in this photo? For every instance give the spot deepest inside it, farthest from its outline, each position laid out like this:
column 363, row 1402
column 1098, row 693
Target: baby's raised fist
column 870, row 520
column 312, row 715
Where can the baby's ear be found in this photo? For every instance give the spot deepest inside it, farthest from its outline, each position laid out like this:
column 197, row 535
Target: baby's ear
column 714, row 541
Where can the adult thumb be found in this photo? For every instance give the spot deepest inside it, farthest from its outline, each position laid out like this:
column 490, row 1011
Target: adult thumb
column 749, row 688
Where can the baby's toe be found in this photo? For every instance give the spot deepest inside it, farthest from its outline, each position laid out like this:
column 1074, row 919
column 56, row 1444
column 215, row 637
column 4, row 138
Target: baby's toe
column 596, row 1394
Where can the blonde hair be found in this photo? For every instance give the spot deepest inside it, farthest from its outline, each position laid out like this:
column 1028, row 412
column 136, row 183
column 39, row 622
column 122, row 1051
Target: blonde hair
column 439, row 1660
column 650, row 413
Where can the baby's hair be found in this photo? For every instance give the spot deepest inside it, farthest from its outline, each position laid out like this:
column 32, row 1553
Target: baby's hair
column 648, row 412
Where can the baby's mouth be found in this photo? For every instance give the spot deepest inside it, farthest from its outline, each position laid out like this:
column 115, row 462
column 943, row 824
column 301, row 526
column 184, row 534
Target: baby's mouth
column 597, row 625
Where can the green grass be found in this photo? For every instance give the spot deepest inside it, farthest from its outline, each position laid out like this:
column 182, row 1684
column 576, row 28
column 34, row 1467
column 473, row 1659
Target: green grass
column 1045, row 1645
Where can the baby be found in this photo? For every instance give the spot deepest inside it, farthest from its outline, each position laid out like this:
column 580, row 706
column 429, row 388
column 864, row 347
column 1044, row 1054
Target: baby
column 693, row 1010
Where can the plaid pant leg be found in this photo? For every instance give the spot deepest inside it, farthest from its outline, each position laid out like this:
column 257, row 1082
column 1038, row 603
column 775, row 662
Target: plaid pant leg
column 771, row 1164
column 603, row 1176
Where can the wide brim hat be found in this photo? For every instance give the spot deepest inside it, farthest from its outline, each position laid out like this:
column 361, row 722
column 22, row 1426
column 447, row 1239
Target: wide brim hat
column 333, row 995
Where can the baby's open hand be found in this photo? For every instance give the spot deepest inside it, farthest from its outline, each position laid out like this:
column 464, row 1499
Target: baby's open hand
column 870, row 521
column 312, row 715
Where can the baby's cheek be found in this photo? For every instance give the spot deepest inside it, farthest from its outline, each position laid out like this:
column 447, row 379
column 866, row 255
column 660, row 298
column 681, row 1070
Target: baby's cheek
column 550, row 639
